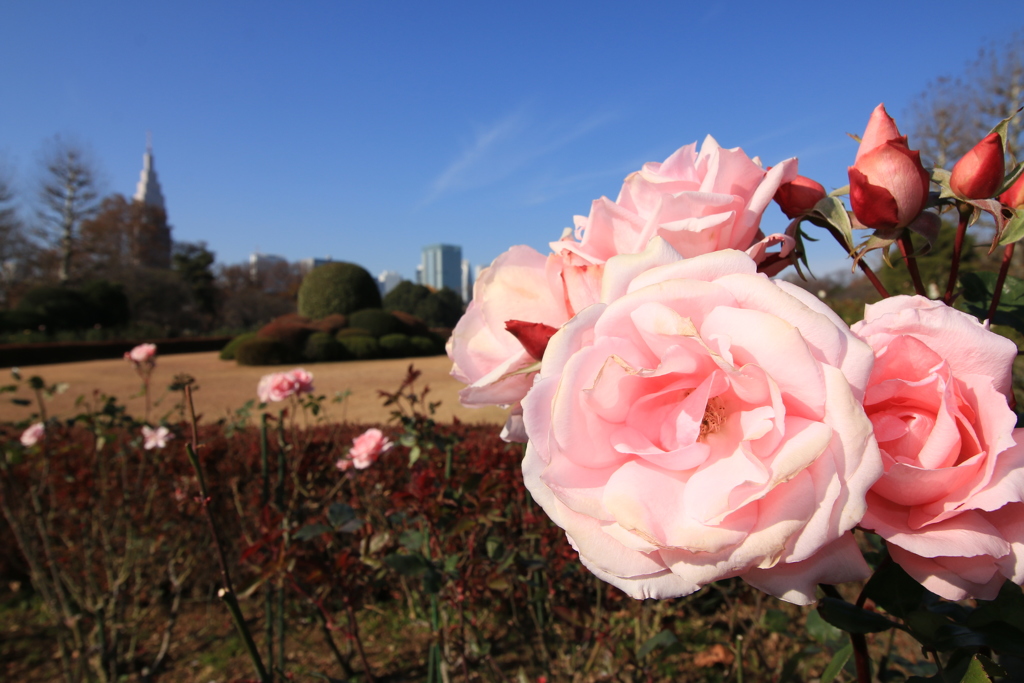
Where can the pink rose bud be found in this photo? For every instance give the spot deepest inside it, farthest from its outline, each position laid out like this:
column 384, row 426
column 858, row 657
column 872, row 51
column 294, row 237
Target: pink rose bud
column 980, row 172
column 1014, row 197
column 888, row 184
column 33, row 435
column 798, row 197
column 143, row 353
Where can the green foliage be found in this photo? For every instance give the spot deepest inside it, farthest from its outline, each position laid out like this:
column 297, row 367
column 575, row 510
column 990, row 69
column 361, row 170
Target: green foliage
column 977, row 297
column 322, row 347
column 194, row 262
column 337, row 288
column 377, row 321
column 259, row 351
column 442, row 308
column 58, row 308
column 405, row 297
column 397, row 346
column 228, row 352
column 361, row 348
column 332, row 323
column 291, row 330
column 352, row 332
column 933, row 266
column 109, row 303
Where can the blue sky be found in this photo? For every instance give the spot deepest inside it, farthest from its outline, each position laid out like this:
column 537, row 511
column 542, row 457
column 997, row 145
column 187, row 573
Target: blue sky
column 366, row 131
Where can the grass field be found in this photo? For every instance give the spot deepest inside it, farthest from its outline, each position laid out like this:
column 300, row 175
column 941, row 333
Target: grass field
column 225, row 386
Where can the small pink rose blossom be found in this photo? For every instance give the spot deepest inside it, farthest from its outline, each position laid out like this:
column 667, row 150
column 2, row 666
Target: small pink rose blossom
column 156, row 438
column 344, row 464
column 704, row 422
column 279, row 386
column 33, row 435
column 143, row 353
column 367, row 447
column 949, row 503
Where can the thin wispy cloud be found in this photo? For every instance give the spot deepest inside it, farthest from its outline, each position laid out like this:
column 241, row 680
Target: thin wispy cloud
column 509, row 145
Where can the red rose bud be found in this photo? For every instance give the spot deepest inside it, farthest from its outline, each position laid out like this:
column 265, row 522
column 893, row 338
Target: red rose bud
column 888, row 184
column 980, row 172
column 533, row 336
column 1014, row 196
column 799, row 196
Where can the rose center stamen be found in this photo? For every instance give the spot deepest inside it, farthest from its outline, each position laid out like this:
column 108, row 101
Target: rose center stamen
column 714, row 418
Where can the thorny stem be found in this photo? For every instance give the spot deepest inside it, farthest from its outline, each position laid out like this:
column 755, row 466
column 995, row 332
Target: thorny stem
column 353, row 626
column 870, row 274
column 227, row 592
column 965, row 210
column 907, row 249
column 1003, row 269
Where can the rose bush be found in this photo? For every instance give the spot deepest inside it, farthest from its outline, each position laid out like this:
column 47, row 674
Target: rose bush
column 937, row 398
column 704, row 422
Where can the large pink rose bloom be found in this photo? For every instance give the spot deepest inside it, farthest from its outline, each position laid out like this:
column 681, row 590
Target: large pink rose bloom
column 699, row 202
column 522, row 285
column 953, row 468
column 704, row 422
column 367, row 447
column 279, row 386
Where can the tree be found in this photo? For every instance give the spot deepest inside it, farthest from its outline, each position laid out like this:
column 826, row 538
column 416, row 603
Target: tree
column 193, row 263
column 14, row 247
column 124, row 235
column 953, row 113
column 68, row 196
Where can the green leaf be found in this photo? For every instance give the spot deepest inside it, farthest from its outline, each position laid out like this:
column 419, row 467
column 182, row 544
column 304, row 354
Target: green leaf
column 1014, row 229
column 1010, row 179
column 1003, row 125
column 836, row 665
column 407, row 565
column 834, row 212
column 411, row 539
column 339, row 514
column 977, row 296
column 851, row 618
column 1008, row 607
column 895, row 591
column 664, row 639
column 840, row 191
column 311, row 531
column 414, row 455
column 822, row 631
column 976, row 673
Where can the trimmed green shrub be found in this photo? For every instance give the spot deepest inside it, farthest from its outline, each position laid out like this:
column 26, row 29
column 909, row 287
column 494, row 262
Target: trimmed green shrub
column 109, row 303
column 405, row 296
column 352, row 332
column 361, row 348
column 442, row 308
column 426, row 346
column 337, row 288
column 228, row 352
column 58, row 308
column 397, row 346
column 257, row 351
column 332, row 323
column 322, row 347
column 378, row 321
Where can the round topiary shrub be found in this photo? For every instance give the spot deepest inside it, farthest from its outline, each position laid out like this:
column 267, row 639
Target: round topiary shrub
column 426, row 346
column 228, row 352
column 322, row 347
column 397, row 346
column 442, row 308
column 337, row 288
column 361, row 348
column 378, row 321
column 259, row 351
column 352, row 332
column 405, row 296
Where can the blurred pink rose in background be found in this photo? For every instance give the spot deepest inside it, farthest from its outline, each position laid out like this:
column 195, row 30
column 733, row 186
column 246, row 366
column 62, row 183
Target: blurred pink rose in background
column 938, row 400
column 32, row 435
column 156, row 438
column 143, row 353
column 704, row 422
column 367, row 447
column 279, row 386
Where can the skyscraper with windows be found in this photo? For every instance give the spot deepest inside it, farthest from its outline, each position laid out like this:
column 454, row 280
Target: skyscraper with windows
column 442, row 267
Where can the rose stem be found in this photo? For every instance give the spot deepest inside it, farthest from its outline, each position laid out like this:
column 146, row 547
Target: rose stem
column 1003, row 269
column 864, row 267
column 227, row 593
column 907, row 249
column 964, row 210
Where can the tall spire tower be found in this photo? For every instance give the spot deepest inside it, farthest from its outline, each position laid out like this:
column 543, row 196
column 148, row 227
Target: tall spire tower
column 148, row 190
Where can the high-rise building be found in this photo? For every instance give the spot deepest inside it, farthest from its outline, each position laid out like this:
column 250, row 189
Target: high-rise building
column 467, row 281
column 151, row 235
column 387, row 281
column 442, row 267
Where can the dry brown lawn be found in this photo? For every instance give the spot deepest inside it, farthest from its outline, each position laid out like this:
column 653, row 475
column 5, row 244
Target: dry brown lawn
column 225, row 386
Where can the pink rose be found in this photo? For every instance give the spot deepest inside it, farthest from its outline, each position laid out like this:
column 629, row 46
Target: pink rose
column 938, row 400
column 698, row 202
column 367, row 447
column 704, row 422
column 888, row 184
column 33, row 435
column 279, row 386
column 156, row 438
column 143, row 353
column 521, row 285
column 979, row 173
